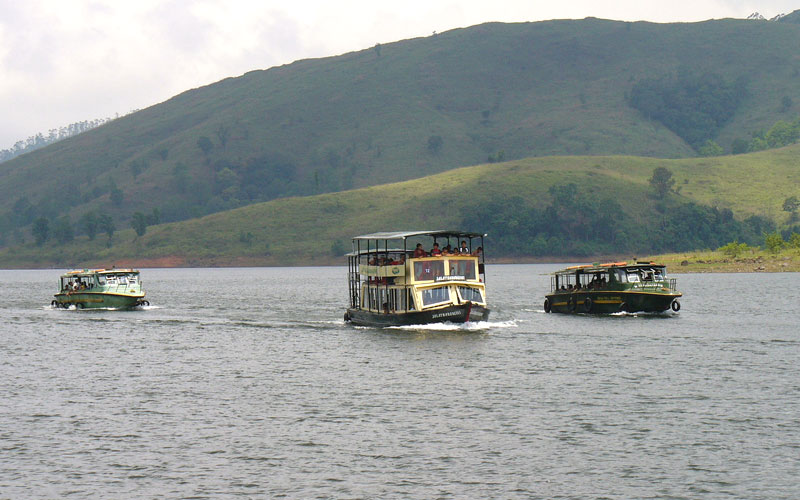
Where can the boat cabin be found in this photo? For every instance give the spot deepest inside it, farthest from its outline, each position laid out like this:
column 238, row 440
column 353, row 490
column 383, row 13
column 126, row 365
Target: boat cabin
column 402, row 273
column 100, row 279
column 612, row 287
column 611, row 276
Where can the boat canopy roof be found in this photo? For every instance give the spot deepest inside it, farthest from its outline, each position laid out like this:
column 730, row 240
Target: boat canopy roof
column 401, row 235
column 596, row 267
column 90, row 272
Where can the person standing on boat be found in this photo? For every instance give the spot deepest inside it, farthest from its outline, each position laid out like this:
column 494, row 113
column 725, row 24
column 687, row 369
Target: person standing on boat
column 463, row 249
column 419, row 251
column 435, row 252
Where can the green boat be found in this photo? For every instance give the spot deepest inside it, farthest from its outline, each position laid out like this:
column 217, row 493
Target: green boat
column 611, row 288
column 100, row 289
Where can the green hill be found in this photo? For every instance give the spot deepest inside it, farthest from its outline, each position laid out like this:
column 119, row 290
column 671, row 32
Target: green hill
column 401, row 111
column 513, row 201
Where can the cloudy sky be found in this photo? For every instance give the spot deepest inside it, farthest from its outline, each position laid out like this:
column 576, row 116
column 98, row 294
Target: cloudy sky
column 64, row 61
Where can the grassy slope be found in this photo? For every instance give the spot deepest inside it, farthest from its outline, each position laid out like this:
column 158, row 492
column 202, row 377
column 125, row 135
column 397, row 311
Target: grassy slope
column 529, row 89
column 755, row 260
column 301, row 230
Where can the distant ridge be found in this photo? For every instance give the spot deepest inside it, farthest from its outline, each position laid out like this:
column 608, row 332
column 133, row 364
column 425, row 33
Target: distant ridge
column 397, row 111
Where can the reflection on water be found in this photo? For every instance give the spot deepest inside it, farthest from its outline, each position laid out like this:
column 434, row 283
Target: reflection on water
column 246, row 382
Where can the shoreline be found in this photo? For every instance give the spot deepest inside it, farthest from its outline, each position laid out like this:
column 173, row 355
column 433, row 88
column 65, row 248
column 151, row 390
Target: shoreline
column 718, row 262
column 677, row 263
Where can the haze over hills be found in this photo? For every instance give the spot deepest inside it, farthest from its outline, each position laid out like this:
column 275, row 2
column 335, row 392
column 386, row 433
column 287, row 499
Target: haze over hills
column 405, row 110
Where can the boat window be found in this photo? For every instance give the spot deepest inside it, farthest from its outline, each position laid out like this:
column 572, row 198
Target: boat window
column 410, row 300
column 375, row 297
column 428, row 270
column 396, row 300
column 465, row 268
column 432, row 296
column 471, row 294
column 388, row 299
column 633, row 277
column 101, row 280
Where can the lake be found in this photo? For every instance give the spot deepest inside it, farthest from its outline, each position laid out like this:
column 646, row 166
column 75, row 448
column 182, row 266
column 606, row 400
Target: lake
column 246, row 382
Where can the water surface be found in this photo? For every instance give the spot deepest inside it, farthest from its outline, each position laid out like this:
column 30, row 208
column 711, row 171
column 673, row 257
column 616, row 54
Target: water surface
column 246, row 382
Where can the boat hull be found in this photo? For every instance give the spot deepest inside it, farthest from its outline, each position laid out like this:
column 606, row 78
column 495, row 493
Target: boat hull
column 461, row 313
column 609, row 302
column 98, row 300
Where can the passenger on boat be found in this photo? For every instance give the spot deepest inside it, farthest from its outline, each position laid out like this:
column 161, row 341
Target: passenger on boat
column 419, row 251
column 478, row 252
column 463, row 249
column 435, row 252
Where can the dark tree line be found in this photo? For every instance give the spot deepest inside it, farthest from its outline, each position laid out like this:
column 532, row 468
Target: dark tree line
column 782, row 133
column 63, row 231
column 574, row 223
column 577, row 223
column 693, row 106
column 54, row 135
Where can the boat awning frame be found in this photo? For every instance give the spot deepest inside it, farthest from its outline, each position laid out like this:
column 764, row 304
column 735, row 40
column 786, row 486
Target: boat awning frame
column 402, row 235
column 599, row 268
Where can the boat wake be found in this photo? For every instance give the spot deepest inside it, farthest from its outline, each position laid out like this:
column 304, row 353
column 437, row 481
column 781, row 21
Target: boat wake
column 663, row 314
column 455, row 327
column 74, row 308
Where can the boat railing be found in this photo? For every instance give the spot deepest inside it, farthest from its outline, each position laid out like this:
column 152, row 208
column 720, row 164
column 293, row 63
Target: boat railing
column 118, row 287
column 383, row 271
column 671, row 284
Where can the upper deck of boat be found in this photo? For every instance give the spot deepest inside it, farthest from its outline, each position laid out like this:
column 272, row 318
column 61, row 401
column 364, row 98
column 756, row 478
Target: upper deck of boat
column 607, row 266
column 92, row 272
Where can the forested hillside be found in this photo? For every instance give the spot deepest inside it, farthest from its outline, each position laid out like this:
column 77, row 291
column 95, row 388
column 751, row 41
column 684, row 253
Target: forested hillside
column 396, row 111
column 546, row 207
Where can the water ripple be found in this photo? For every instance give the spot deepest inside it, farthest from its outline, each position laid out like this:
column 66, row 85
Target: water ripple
column 265, row 392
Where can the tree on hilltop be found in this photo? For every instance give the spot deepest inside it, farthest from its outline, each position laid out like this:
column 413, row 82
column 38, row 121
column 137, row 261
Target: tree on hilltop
column 662, row 181
column 139, row 223
column 791, row 204
column 41, row 230
column 205, row 145
column 106, row 224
